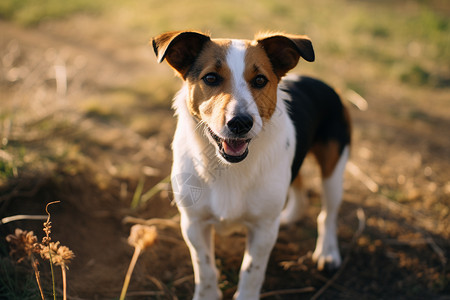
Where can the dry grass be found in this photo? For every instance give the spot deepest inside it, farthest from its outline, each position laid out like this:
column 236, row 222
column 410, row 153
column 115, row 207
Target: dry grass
column 24, row 246
column 141, row 237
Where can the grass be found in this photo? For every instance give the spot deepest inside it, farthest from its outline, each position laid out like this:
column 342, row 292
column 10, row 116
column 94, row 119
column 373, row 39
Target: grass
column 16, row 282
column 7, row 170
column 29, row 12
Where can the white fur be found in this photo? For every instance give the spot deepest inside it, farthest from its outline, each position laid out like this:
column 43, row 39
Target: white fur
column 327, row 250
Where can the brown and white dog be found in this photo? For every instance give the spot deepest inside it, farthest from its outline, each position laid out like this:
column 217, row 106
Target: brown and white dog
column 242, row 134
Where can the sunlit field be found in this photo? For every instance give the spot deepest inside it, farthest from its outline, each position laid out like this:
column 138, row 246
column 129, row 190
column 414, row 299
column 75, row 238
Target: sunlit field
column 86, row 119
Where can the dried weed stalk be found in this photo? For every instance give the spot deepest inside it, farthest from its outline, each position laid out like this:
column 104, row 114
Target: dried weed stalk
column 24, row 245
column 141, row 237
column 59, row 256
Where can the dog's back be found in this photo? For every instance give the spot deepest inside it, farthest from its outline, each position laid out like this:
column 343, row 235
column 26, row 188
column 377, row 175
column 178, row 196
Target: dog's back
column 317, row 113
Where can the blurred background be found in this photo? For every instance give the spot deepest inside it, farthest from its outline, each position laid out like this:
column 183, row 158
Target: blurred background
column 85, row 118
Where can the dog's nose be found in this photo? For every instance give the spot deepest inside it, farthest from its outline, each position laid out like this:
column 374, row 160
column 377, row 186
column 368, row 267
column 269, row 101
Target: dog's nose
column 240, row 124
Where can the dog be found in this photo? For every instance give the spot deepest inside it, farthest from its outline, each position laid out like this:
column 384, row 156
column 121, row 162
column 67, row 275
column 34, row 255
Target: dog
column 243, row 131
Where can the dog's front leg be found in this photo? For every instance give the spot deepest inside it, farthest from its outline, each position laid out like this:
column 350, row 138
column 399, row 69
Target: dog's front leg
column 260, row 241
column 199, row 238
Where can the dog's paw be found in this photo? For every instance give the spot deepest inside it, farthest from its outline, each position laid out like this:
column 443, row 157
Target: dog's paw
column 208, row 295
column 327, row 261
column 207, row 292
column 246, row 296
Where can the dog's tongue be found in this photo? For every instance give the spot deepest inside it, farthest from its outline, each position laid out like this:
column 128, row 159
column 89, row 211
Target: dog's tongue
column 234, row 147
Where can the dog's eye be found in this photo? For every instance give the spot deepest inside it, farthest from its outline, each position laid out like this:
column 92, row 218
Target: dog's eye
column 259, row 81
column 212, row 79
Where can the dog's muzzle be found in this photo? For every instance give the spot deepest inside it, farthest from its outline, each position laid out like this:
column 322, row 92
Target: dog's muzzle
column 234, row 149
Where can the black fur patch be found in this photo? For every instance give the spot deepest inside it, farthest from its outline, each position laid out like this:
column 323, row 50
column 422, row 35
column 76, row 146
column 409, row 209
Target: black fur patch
column 317, row 113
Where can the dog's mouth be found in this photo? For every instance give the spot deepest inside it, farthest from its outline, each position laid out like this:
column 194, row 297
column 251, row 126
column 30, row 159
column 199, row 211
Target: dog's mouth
column 233, row 150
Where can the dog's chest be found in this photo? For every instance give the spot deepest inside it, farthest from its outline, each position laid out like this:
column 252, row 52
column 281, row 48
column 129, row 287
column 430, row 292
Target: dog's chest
column 227, row 202
column 238, row 197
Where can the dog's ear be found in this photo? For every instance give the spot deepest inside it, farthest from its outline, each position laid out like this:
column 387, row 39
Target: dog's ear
column 179, row 48
column 284, row 50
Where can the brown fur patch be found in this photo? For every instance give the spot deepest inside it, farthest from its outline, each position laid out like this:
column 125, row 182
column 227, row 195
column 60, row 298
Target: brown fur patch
column 284, row 50
column 179, row 49
column 208, row 103
column 298, row 182
column 327, row 155
column 257, row 63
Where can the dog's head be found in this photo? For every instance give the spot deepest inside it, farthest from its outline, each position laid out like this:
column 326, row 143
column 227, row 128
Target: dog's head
column 232, row 83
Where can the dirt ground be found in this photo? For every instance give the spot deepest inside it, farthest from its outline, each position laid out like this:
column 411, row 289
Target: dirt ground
column 398, row 181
